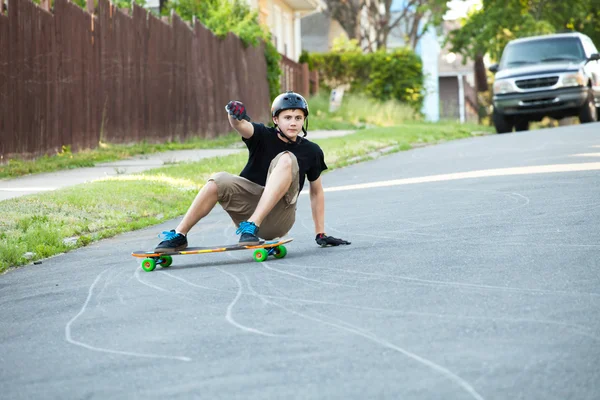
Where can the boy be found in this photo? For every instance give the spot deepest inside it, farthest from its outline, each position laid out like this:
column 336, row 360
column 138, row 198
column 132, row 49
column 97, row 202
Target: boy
column 261, row 201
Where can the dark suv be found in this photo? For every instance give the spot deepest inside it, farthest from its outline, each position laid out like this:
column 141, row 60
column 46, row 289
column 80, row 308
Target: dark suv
column 552, row 76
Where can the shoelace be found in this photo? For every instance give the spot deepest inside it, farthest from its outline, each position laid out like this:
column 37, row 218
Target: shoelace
column 167, row 235
column 246, row 227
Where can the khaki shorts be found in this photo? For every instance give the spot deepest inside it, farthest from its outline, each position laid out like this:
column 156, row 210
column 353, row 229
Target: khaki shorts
column 239, row 197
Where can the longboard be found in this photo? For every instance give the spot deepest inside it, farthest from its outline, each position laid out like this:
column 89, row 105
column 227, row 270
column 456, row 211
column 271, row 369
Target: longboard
column 262, row 251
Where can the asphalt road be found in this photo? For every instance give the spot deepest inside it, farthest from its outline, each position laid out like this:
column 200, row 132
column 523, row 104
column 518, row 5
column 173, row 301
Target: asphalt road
column 473, row 274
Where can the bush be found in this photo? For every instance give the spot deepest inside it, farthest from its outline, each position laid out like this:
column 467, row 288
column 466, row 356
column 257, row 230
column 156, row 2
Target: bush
column 358, row 110
column 381, row 75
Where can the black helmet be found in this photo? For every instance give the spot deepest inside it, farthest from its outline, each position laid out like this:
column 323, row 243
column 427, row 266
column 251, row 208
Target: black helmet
column 289, row 101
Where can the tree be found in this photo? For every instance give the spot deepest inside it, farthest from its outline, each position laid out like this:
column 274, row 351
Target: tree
column 371, row 21
column 414, row 17
column 488, row 30
column 347, row 14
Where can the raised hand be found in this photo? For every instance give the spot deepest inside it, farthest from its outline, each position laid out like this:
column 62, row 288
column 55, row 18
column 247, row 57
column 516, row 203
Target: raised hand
column 237, row 110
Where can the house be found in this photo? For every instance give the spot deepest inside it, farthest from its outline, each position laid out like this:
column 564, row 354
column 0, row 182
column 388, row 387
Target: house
column 153, row 5
column 458, row 96
column 449, row 80
column 283, row 19
column 428, row 48
column 449, row 84
column 319, row 31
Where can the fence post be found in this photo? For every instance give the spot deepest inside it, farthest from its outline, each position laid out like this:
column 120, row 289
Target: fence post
column 305, row 80
column 316, row 75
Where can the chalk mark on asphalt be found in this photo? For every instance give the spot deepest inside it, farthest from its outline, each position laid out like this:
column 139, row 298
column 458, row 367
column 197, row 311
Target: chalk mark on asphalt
column 229, row 313
column 69, row 337
column 345, row 326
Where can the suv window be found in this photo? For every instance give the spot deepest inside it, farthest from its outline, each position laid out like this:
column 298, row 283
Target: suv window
column 589, row 46
column 542, row 50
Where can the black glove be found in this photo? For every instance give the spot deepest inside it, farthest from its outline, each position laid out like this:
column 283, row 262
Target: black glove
column 323, row 240
column 237, row 110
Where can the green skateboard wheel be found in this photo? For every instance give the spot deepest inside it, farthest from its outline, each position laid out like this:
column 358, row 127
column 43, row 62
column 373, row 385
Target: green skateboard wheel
column 260, row 255
column 149, row 264
column 166, row 261
column 280, row 251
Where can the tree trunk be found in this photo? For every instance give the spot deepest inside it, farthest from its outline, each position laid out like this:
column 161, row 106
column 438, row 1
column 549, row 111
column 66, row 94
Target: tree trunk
column 481, row 83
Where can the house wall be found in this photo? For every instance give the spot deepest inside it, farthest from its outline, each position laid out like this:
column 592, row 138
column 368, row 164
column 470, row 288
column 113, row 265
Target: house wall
column 449, row 99
column 315, row 33
column 283, row 22
column 152, row 5
column 429, row 50
column 319, row 31
column 335, row 31
column 449, row 107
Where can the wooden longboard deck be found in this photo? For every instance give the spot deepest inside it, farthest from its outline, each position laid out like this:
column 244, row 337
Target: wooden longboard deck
column 212, row 249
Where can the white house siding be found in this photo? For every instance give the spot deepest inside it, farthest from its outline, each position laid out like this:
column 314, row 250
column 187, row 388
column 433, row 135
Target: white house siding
column 429, row 50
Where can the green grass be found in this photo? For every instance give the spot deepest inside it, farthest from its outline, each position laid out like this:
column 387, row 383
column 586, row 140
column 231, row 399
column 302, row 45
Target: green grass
column 38, row 226
column 358, row 111
column 105, row 152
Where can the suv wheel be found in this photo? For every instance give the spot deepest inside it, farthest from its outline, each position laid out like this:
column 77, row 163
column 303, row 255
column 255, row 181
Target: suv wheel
column 522, row 125
column 501, row 123
column 588, row 112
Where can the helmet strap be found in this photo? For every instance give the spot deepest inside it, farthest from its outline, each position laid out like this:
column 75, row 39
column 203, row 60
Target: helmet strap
column 305, row 130
column 286, row 136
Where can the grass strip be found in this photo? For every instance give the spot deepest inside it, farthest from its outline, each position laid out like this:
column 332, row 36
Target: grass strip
column 65, row 159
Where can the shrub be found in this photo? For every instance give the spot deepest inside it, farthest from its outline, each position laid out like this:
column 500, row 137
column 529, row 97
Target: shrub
column 381, row 75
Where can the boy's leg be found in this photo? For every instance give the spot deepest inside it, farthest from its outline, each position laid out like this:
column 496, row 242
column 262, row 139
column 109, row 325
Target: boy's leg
column 279, row 181
column 275, row 212
column 279, row 221
column 204, row 202
column 239, row 197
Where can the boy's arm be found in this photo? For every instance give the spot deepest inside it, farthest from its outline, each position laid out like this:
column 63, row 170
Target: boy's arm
column 317, row 205
column 243, row 127
column 238, row 119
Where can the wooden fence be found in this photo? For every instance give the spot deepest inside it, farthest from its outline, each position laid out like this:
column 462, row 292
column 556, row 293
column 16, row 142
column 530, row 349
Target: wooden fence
column 298, row 78
column 69, row 78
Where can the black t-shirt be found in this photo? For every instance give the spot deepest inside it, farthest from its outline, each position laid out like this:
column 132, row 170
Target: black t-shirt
column 264, row 145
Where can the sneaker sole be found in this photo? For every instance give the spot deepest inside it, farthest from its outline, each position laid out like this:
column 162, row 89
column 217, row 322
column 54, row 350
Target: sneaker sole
column 253, row 243
column 169, row 250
